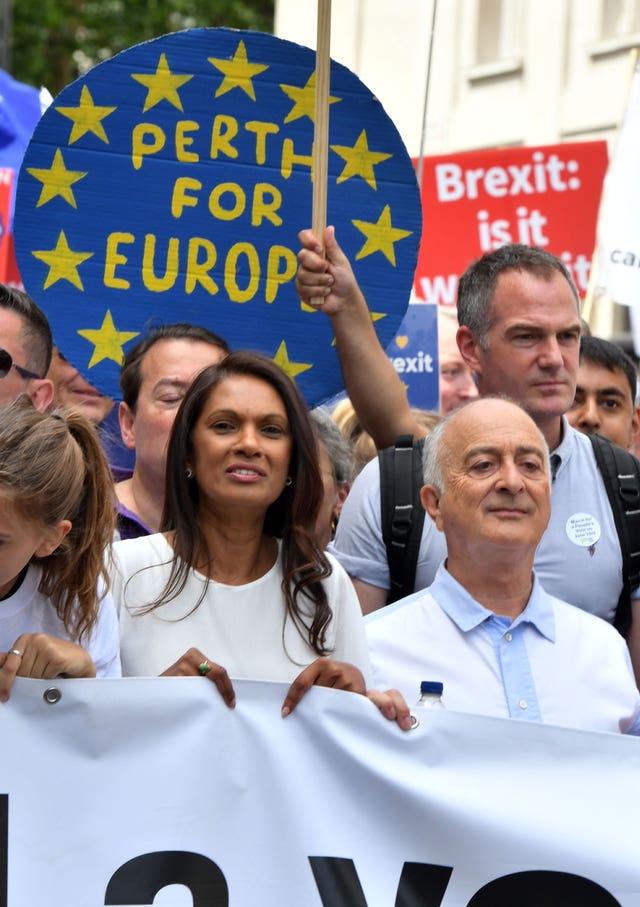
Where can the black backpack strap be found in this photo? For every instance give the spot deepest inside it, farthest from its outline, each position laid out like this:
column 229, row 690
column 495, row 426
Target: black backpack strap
column 402, row 514
column 621, row 474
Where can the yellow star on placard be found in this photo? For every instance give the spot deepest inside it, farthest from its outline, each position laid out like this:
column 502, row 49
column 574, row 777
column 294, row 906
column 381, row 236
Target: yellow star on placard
column 63, row 263
column 304, row 100
column 108, row 342
column 380, row 236
column 163, row 85
column 360, row 161
column 86, row 117
column 238, row 72
column 290, row 368
column 56, row 181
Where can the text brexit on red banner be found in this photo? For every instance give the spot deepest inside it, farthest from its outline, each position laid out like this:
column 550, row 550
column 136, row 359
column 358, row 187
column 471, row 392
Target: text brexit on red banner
column 475, row 201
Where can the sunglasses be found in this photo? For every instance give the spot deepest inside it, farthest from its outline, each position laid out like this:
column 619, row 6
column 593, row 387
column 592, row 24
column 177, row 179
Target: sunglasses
column 7, row 363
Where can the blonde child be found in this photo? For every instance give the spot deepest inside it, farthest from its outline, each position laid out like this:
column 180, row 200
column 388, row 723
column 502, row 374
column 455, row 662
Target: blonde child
column 57, row 519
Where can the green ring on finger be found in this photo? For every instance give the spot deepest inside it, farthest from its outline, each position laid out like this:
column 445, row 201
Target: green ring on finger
column 204, row 668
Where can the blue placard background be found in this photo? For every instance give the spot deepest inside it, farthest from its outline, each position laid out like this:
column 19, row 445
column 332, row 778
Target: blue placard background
column 169, row 184
column 20, row 110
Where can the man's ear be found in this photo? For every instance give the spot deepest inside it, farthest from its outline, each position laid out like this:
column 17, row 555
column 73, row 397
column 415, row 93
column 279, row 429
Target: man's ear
column 41, row 392
column 52, row 538
column 127, row 425
column 341, row 497
column 469, row 348
column 635, row 429
column 430, row 497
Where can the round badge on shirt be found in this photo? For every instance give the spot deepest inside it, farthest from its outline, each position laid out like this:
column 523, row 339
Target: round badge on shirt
column 583, row 530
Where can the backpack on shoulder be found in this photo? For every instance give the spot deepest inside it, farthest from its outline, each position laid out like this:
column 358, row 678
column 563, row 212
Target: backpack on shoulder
column 402, row 514
column 621, row 475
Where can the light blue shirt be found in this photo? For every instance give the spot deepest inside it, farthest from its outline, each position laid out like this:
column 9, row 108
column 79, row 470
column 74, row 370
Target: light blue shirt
column 507, row 637
column 553, row 663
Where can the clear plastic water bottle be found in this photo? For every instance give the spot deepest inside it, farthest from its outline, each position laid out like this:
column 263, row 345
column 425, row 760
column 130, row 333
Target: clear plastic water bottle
column 430, row 698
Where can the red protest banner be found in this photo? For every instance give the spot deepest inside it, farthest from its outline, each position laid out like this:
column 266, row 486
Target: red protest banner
column 6, row 182
column 476, row 201
column 12, row 276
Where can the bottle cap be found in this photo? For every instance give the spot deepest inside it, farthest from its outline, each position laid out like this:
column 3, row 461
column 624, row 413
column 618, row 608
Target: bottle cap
column 431, row 686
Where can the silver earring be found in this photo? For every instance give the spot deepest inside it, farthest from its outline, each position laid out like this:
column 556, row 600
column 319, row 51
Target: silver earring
column 289, row 481
column 188, row 472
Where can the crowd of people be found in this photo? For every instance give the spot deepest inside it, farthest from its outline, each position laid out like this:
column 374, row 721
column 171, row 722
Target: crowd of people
column 245, row 538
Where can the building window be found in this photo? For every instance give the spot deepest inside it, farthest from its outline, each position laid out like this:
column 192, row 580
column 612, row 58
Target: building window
column 492, row 39
column 497, row 32
column 619, row 18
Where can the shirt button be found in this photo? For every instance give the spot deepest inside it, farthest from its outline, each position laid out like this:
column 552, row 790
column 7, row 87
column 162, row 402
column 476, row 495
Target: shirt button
column 523, row 704
column 508, row 637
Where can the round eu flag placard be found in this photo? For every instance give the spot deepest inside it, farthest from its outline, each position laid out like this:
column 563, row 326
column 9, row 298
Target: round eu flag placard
column 170, row 182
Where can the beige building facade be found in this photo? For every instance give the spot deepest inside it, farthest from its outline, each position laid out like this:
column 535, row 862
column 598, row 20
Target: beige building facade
column 502, row 72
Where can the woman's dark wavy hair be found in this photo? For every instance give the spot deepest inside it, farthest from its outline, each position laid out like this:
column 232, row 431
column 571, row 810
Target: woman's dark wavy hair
column 291, row 517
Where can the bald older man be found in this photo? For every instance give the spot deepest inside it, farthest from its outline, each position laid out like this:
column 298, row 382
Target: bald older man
column 486, row 628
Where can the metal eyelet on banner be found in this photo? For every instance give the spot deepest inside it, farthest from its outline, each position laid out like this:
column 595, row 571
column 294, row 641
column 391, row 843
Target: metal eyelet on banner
column 52, row 695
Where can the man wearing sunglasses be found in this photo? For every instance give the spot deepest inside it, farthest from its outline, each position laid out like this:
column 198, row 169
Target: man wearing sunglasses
column 25, row 349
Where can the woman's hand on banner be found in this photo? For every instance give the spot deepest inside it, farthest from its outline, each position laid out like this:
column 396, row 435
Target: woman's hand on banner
column 323, row 672
column 194, row 664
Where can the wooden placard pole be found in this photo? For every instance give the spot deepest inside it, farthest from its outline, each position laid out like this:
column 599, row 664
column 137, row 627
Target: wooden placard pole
column 321, row 121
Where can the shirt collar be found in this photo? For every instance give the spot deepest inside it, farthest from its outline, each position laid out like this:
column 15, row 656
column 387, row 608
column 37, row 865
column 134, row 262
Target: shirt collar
column 565, row 447
column 467, row 613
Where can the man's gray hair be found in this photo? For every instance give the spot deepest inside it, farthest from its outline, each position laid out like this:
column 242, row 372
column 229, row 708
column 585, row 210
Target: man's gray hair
column 478, row 283
column 432, row 455
column 338, row 449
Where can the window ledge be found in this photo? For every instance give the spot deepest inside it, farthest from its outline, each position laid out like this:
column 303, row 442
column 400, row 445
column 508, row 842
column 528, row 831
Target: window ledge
column 484, row 71
column 609, row 46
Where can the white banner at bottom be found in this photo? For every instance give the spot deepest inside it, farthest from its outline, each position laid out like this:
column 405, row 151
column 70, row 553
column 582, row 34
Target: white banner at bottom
column 150, row 791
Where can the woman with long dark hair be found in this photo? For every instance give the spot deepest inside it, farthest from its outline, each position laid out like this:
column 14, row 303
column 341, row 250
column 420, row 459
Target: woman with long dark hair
column 235, row 584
